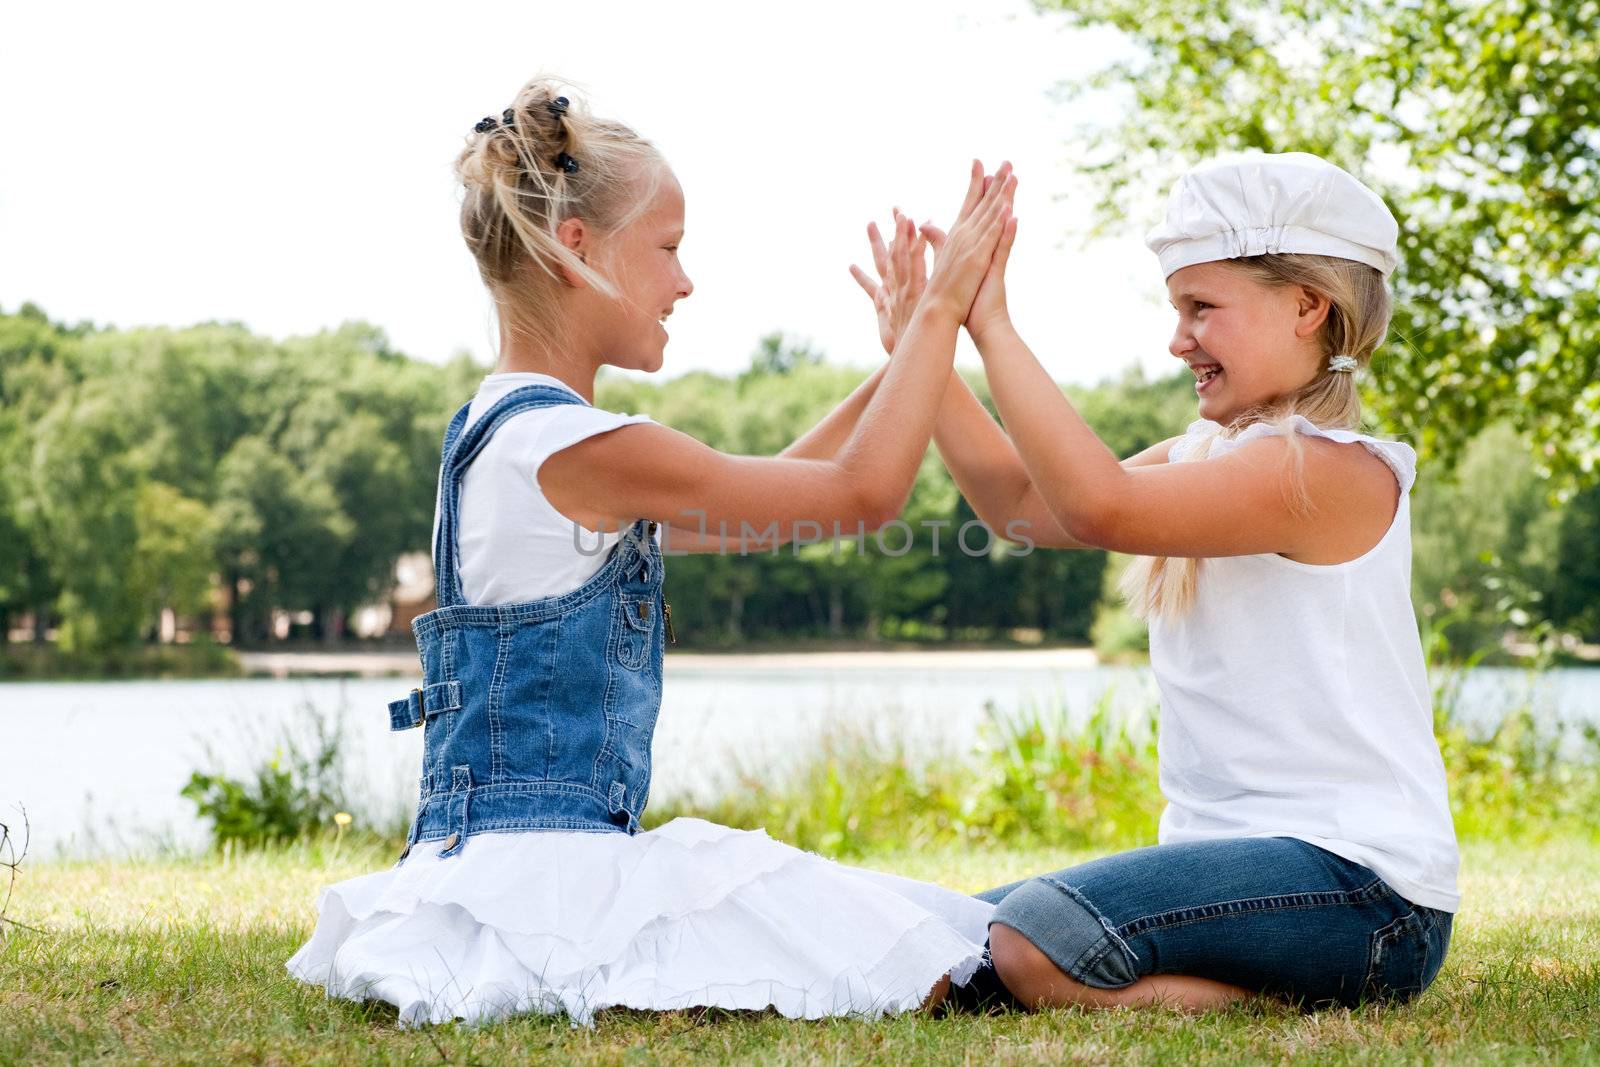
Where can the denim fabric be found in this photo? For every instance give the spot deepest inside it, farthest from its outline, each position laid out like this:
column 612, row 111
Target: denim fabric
column 535, row 716
column 1271, row 914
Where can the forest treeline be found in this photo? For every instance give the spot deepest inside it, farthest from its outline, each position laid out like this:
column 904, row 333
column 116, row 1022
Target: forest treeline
column 208, row 471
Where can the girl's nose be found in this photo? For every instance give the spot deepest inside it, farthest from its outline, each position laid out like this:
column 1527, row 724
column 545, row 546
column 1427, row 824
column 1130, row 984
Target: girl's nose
column 1182, row 343
column 685, row 286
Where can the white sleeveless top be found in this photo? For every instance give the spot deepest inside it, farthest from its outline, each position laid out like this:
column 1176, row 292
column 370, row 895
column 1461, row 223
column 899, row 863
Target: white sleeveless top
column 1295, row 702
column 513, row 546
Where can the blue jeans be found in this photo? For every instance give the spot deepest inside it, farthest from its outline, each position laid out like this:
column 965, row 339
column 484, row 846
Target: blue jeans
column 1270, row 914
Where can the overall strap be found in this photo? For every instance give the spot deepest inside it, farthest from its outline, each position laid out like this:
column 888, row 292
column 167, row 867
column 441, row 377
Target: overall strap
column 461, row 446
column 452, row 432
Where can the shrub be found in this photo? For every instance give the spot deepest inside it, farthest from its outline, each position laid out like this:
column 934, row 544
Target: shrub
column 291, row 795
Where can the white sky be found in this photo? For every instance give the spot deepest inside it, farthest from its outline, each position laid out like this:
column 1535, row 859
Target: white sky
column 288, row 165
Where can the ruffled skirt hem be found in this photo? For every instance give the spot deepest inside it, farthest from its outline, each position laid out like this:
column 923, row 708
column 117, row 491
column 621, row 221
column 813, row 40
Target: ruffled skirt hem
column 688, row 915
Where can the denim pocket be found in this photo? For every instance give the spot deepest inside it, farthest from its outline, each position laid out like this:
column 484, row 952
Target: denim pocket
column 1397, row 968
column 638, row 624
column 1437, row 930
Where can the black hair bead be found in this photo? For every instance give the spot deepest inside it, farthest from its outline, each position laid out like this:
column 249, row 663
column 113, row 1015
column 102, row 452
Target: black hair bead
column 485, row 124
column 566, row 163
column 508, row 117
column 558, row 106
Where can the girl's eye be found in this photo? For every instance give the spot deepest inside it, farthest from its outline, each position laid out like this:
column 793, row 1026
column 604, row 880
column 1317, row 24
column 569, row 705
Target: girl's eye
column 1200, row 305
column 673, row 249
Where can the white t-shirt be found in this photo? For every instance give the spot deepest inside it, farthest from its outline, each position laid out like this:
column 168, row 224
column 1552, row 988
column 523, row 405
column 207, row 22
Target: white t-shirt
column 512, row 545
column 1295, row 702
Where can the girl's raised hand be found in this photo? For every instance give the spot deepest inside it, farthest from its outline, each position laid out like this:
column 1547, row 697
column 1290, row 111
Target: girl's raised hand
column 989, row 308
column 903, row 267
column 966, row 255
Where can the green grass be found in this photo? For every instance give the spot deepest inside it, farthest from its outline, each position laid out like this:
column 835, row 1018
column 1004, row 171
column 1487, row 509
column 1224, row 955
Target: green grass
column 181, row 961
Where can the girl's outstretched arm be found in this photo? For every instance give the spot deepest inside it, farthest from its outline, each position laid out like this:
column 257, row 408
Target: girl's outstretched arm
column 978, row 453
column 1242, row 503
column 652, row 471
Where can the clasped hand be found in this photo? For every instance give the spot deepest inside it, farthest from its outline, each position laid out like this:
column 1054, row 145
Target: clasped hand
column 969, row 262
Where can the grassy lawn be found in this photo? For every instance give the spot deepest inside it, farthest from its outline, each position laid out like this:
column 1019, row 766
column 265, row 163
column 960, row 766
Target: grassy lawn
column 175, row 961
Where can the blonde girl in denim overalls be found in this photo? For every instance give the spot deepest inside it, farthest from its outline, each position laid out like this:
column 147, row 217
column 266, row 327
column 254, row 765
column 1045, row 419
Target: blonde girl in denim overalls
column 526, row 884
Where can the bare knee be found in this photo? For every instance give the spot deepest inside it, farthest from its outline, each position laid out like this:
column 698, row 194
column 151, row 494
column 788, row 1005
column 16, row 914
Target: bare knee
column 1030, row 975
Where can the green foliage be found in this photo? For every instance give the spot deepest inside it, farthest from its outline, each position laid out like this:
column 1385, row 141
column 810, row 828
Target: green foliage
column 140, row 469
column 1118, row 634
column 1526, row 778
column 1042, row 779
column 207, row 469
column 1573, row 597
column 293, row 795
column 1485, row 541
column 1480, row 125
column 1515, row 783
column 1033, row 780
column 172, row 557
column 201, row 658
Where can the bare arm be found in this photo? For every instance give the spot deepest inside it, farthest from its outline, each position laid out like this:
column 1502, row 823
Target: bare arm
column 976, row 450
column 1241, row 503
column 651, row 470
column 827, row 437
column 990, row 474
column 695, row 533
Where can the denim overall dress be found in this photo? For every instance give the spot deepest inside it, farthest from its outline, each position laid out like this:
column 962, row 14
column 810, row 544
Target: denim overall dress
column 535, row 716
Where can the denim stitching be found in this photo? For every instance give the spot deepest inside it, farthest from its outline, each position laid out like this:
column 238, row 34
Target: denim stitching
column 489, row 802
column 1383, row 941
column 456, row 460
column 635, row 639
column 443, row 619
column 606, row 755
column 1250, row 905
column 545, row 689
column 1097, row 950
column 1091, row 957
column 497, row 692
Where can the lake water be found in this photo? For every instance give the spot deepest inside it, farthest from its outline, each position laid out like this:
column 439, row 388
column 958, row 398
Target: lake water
column 98, row 765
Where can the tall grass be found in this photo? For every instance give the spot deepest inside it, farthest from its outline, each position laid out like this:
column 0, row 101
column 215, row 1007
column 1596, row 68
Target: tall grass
column 1035, row 778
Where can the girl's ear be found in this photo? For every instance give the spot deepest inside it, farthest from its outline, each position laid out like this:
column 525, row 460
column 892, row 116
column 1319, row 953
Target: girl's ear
column 1312, row 310
column 575, row 238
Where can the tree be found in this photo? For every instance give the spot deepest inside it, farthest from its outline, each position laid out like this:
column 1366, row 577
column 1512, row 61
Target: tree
column 173, row 560
column 1484, row 542
column 85, row 483
column 38, row 363
column 1478, row 122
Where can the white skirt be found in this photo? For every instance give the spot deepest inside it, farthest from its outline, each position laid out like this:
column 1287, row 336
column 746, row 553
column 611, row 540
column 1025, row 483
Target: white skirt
column 689, row 914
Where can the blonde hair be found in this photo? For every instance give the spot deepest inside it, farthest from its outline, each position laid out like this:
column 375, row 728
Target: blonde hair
column 1358, row 320
column 520, row 188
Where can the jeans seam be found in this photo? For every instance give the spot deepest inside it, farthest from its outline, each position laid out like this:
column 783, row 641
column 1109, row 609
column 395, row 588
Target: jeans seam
column 1383, row 941
column 1102, row 946
column 1250, row 905
column 1091, row 957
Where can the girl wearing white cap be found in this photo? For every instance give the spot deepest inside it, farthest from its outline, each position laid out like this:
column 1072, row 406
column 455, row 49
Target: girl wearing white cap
column 1307, row 848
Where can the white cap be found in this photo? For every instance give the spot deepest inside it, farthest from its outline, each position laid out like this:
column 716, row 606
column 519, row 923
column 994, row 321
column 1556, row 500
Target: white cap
column 1257, row 204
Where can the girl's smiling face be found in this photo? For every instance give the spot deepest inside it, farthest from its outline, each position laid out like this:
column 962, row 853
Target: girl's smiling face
column 1247, row 342
column 642, row 262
